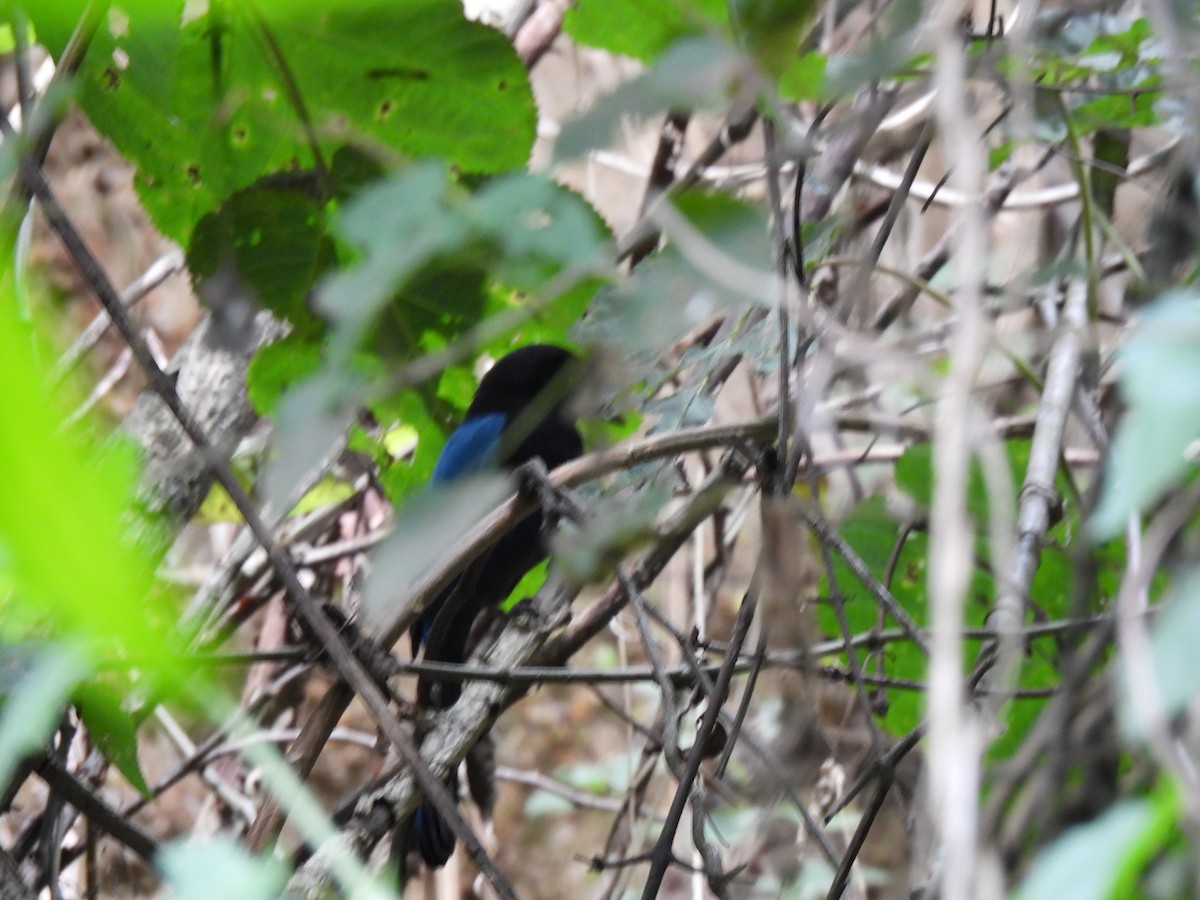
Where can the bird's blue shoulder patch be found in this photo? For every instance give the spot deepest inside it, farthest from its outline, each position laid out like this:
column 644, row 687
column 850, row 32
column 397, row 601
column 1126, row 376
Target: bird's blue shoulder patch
column 470, row 447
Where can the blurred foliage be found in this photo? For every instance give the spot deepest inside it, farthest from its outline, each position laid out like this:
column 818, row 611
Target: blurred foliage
column 1156, row 444
column 75, row 578
column 220, row 868
column 358, row 169
column 605, row 24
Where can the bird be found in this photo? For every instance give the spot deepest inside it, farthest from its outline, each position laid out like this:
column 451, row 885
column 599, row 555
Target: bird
column 521, row 411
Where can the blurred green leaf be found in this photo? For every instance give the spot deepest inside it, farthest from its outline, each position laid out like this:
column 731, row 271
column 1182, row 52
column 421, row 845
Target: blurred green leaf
column 418, row 231
column 399, row 224
column 608, row 776
column 543, row 803
column 112, row 728
column 63, row 507
column 700, row 73
column 1156, row 441
column 679, row 288
column 1087, row 862
column 682, row 409
column 427, row 528
column 641, row 30
column 220, row 867
column 279, row 365
column 616, row 526
column 37, row 679
column 772, row 30
column 804, row 78
column 311, row 418
column 1173, row 638
column 53, row 21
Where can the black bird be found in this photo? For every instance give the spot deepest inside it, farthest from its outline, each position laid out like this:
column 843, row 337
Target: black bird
column 520, row 412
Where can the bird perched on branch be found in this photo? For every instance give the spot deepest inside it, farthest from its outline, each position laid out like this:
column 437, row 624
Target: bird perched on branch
column 520, row 412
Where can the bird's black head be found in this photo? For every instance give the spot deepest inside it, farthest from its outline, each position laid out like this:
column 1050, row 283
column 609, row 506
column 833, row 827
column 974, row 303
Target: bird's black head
column 538, row 372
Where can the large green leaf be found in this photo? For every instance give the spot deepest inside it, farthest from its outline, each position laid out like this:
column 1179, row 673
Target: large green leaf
column 211, row 106
column 271, row 243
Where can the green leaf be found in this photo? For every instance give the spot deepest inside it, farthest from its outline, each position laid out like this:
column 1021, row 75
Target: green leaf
column 1087, row 862
column 112, row 728
column 278, row 366
column 426, row 529
column 700, row 73
column 53, row 21
column 872, row 531
column 1173, row 639
column 804, row 78
column 615, row 528
column 274, row 242
column 209, row 107
column 772, row 30
column 673, row 292
column 220, row 868
column 310, row 419
column 640, row 30
column 36, row 681
column 540, row 228
column 914, row 476
column 1120, row 110
column 400, row 225
column 63, row 506
column 1160, row 381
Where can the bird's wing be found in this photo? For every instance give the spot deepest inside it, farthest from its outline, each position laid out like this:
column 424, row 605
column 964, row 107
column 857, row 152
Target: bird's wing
column 470, row 446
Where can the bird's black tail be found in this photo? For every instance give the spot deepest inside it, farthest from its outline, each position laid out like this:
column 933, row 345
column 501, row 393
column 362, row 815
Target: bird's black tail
column 433, row 837
column 430, row 835
column 427, row 833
